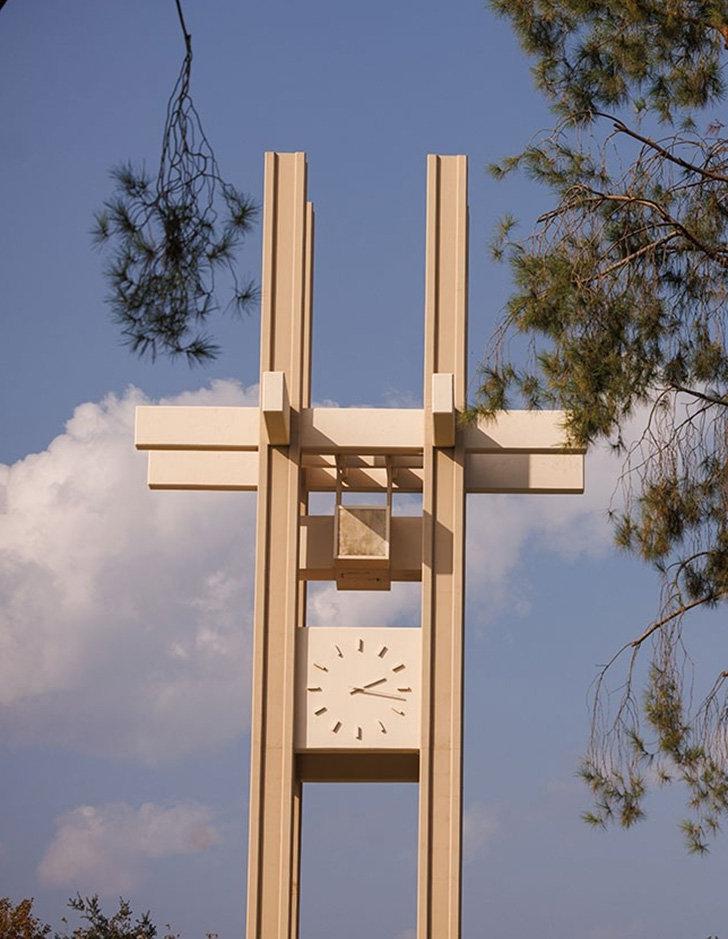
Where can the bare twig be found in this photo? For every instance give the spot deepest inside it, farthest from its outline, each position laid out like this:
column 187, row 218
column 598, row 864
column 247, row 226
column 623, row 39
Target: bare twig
column 668, row 619
column 622, row 128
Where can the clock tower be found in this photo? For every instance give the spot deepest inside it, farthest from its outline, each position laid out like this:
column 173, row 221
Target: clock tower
column 345, row 704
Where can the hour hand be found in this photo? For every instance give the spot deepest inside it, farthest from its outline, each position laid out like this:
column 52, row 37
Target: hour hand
column 371, row 684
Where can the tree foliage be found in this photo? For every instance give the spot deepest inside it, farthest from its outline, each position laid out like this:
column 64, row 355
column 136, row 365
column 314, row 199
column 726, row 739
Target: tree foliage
column 596, row 54
column 621, row 288
column 171, row 236
column 97, row 925
column 17, row 921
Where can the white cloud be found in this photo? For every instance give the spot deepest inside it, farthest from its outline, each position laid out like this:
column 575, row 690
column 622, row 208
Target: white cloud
column 481, row 824
column 105, row 849
column 396, row 398
column 124, row 614
column 501, row 529
column 396, row 607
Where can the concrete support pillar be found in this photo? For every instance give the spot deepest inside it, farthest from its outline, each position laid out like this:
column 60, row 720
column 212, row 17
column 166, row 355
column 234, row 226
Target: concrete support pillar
column 274, row 839
column 443, row 542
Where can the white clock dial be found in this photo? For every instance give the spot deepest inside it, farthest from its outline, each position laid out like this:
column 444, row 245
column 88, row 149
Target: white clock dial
column 358, row 688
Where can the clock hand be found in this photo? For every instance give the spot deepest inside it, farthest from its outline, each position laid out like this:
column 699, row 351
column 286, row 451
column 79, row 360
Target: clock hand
column 370, row 684
column 380, row 694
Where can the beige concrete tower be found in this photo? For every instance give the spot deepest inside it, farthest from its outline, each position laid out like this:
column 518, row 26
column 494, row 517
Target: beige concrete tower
column 342, row 704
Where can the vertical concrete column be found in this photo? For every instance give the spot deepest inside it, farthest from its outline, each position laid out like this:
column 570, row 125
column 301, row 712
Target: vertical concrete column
column 274, row 831
column 302, row 585
column 440, row 815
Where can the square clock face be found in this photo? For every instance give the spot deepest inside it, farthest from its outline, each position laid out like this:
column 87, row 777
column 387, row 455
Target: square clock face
column 358, row 689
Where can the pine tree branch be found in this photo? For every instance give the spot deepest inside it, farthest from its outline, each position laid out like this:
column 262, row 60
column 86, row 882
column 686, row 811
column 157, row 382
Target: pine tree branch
column 621, row 289
column 718, row 256
column 679, row 566
column 711, row 598
column 622, row 128
column 185, row 32
column 635, row 254
column 711, row 399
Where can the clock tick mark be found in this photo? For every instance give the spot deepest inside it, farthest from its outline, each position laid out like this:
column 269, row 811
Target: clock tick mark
column 397, row 711
column 313, row 688
column 358, row 733
column 339, row 652
column 360, row 645
column 382, row 652
column 404, row 689
column 382, row 727
column 336, row 728
column 320, row 711
column 398, row 668
column 322, row 667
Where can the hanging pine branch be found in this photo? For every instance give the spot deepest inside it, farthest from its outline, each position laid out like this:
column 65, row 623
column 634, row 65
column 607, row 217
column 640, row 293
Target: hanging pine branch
column 171, row 237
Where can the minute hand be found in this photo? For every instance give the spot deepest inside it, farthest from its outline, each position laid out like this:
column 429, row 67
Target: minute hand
column 380, row 694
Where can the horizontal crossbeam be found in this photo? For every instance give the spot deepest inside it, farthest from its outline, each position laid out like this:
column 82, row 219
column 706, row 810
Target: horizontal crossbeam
column 199, row 469
column 345, row 430
column 215, row 448
column 344, row 767
column 484, row 472
column 524, row 472
column 163, row 427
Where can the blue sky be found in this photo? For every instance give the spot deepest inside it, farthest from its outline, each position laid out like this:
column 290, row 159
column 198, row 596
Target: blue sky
column 125, row 615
